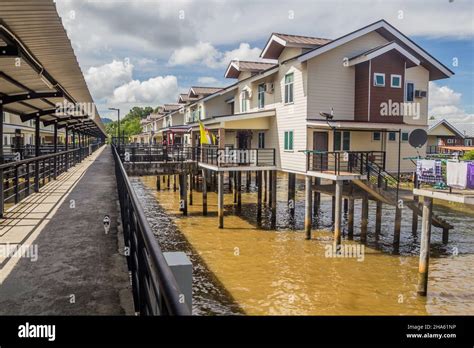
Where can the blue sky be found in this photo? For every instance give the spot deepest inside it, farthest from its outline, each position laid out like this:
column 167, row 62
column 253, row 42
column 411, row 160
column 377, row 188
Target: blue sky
column 146, row 52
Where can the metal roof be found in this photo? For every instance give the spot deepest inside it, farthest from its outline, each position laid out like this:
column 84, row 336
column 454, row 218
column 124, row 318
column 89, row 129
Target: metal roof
column 39, row 70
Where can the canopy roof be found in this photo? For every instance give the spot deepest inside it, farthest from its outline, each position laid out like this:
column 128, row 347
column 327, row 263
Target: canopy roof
column 39, row 72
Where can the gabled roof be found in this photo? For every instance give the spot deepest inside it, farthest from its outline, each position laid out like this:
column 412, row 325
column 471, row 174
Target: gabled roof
column 277, row 42
column 171, row 107
column 382, row 49
column 437, row 69
column 448, row 125
column 196, row 91
column 237, row 66
column 185, row 98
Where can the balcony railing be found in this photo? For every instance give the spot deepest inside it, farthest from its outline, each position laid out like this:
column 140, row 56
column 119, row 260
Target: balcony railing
column 157, row 153
column 230, row 157
column 340, row 162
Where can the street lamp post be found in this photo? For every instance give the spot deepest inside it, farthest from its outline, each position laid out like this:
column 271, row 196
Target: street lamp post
column 118, row 123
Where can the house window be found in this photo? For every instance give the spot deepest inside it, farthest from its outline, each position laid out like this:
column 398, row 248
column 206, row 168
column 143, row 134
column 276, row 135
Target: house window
column 379, row 80
column 376, row 136
column 396, row 81
column 261, row 96
column 342, row 141
column 261, row 140
column 392, row 136
column 450, row 141
column 243, row 101
column 289, row 78
column 404, row 136
column 410, row 92
column 289, row 140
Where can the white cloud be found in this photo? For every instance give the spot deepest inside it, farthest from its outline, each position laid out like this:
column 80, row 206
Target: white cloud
column 444, row 102
column 202, row 52
column 105, row 78
column 208, row 81
column 154, row 91
column 206, row 54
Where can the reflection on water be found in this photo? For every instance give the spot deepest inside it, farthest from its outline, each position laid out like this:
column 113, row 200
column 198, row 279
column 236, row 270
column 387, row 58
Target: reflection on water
column 268, row 271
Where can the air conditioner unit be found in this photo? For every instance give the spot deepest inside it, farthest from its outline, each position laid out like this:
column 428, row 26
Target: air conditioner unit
column 420, row 94
column 269, row 87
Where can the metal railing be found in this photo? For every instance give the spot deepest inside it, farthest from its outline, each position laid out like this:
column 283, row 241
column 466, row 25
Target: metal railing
column 155, row 289
column 157, row 153
column 338, row 162
column 230, row 157
column 18, row 179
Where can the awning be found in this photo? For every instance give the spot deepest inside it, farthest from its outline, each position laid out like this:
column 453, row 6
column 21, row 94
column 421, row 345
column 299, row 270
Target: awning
column 39, row 72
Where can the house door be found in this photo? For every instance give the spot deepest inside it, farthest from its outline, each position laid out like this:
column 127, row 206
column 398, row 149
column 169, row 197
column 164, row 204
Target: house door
column 243, row 139
column 320, row 143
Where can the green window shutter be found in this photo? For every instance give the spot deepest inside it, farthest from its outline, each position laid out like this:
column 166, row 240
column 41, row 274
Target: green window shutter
column 346, row 141
column 290, row 141
column 286, row 140
column 337, row 141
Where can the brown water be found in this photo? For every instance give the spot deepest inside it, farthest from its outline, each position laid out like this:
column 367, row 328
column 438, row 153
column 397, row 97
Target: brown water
column 255, row 270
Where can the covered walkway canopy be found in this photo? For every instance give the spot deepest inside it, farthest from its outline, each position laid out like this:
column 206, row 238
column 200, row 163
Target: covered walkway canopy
column 40, row 77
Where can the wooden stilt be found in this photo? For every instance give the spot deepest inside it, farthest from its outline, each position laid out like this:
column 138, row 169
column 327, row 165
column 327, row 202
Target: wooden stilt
column 317, row 197
column 158, row 183
column 247, row 180
column 174, row 183
column 333, row 210
column 191, row 184
column 265, row 186
column 414, row 221
column 445, row 235
column 234, row 180
column 350, row 220
column 239, row 189
column 425, row 246
column 274, row 197
column 184, row 183
column 204, row 192
column 168, row 184
column 259, row 196
column 220, row 198
column 308, row 208
column 291, row 193
column 378, row 219
column 364, row 217
column 346, row 205
column 397, row 229
column 338, row 211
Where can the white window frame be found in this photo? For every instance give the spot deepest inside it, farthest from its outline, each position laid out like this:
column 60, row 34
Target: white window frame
column 408, row 136
column 287, row 89
column 388, row 136
column 261, row 96
column 375, row 79
column 373, row 136
column 391, row 81
column 243, row 102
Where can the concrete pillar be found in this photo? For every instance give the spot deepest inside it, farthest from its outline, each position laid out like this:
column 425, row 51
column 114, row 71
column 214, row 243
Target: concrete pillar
column 425, row 246
column 265, row 186
column 338, row 212
column 364, row 219
column 220, row 198
column 308, row 207
column 204, row 192
column 333, row 210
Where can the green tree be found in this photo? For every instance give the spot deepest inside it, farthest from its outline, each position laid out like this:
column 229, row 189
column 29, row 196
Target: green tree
column 130, row 123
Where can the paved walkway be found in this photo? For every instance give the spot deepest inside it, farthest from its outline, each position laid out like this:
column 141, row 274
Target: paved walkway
column 70, row 266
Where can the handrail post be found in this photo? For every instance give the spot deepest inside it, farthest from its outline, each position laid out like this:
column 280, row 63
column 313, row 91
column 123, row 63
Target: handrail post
column 55, row 149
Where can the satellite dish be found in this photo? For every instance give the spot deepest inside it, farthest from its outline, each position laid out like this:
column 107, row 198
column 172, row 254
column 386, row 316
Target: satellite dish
column 418, row 138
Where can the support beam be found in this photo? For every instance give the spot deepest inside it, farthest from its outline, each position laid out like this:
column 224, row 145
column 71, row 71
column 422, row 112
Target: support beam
column 184, row 184
column 350, row 219
column 397, row 229
column 259, row 196
column 1, row 162
column 308, row 207
column 191, row 183
column 37, row 153
column 414, row 221
column 425, row 246
column 338, row 212
column 239, row 189
column 220, row 198
column 158, row 183
column 8, row 99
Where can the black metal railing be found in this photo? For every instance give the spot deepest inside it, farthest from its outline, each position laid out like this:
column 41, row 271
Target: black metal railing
column 155, row 289
column 339, row 162
column 18, row 179
column 230, row 157
column 157, row 153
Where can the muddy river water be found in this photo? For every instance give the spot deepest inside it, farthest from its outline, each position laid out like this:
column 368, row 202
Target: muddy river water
column 248, row 268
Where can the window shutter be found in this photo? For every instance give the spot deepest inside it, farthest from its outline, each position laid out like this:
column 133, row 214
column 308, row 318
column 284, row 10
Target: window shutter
column 286, row 140
column 290, row 147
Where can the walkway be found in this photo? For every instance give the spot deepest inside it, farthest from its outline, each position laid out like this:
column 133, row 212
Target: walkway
column 70, row 266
